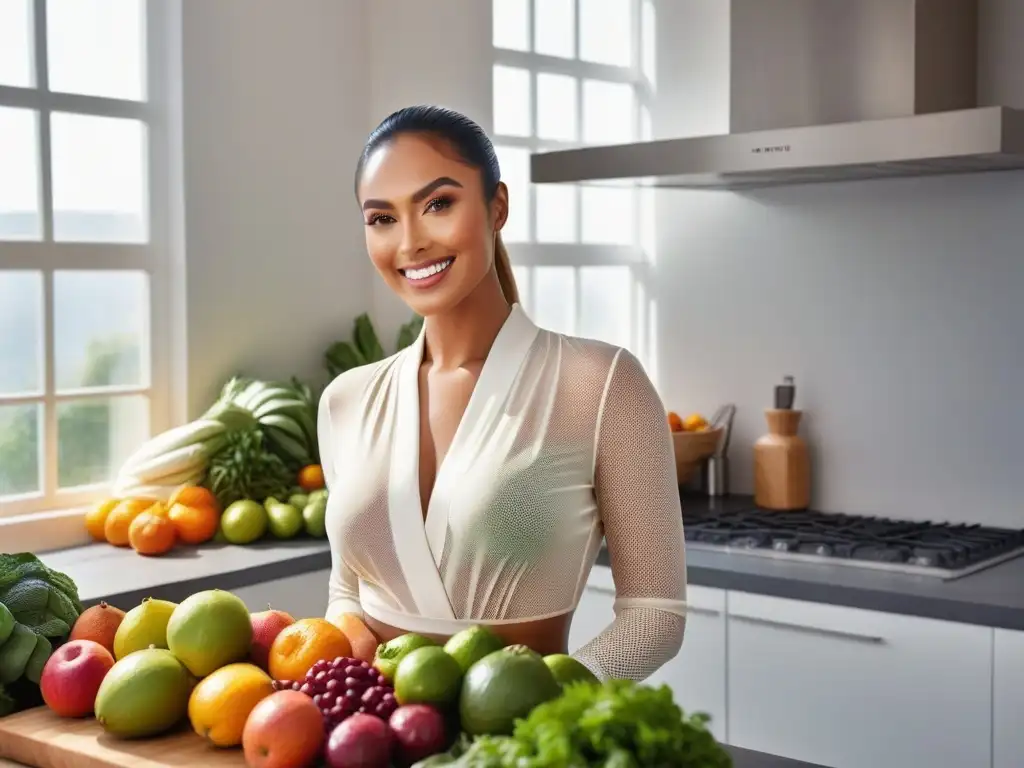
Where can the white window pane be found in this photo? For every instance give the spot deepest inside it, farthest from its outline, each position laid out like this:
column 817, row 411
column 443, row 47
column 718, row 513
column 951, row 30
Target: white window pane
column 515, row 172
column 607, row 112
column 512, row 101
column 522, row 275
column 96, row 47
column 511, row 24
column 556, row 213
column 554, row 28
column 556, row 107
column 646, row 201
column 21, row 332
column 19, row 180
column 606, row 304
column 554, row 298
column 99, row 178
column 16, row 43
column 96, row 436
column 608, row 215
column 101, row 329
column 648, row 44
column 606, row 32
column 646, row 129
column 20, row 449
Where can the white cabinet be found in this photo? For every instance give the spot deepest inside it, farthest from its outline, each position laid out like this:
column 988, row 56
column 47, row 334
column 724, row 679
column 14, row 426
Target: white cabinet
column 697, row 675
column 303, row 596
column 850, row 688
column 1008, row 699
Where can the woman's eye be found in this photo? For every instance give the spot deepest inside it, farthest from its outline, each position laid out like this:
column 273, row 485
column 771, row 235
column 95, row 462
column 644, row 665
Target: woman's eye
column 439, row 204
column 379, row 218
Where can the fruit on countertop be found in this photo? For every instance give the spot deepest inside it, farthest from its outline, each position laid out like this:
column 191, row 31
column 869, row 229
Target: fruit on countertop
column 152, row 533
column 222, row 702
column 471, row 644
column 418, row 731
column 143, row 626
column 266, row 626
column 144, row 694
column 428, row 675
column 72, row 677
column 99, row 624
column 567, row 670
column 283, row 520
column 284, row 730
column 118, row 523
column 311, row 478
column 209, row 630
column 96, row 518
column 314, row 514
column 362, row 639
column 244, row 521
column 361, row 741
column 342, row 687
column 299, row 646
column 502, row 687
column 389, row 654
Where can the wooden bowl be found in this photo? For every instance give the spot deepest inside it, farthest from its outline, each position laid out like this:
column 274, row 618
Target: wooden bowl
column 691, row 448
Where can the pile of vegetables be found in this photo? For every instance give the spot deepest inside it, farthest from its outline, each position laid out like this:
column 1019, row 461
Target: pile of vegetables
column 617, row 724
column 38, row 607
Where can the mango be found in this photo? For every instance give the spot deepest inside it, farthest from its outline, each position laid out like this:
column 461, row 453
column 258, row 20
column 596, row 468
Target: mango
column 144, row 694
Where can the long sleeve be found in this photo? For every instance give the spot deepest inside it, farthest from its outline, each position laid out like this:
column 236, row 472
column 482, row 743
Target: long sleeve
column 343, row 585
column 638, row 500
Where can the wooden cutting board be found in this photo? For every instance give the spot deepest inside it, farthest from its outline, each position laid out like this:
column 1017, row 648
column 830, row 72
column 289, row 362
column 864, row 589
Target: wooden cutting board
column 38, row 738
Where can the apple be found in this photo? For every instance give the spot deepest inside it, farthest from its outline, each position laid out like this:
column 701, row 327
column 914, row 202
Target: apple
column 72, row 676
column 265, row 627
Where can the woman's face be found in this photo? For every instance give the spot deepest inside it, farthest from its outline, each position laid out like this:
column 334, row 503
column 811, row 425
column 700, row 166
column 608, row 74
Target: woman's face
column 429, row 230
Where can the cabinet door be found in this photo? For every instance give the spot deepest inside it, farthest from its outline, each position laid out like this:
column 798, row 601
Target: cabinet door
column 595, row 610
column 303, row 596
column 1008, row 699
column 851, row 688
column 697, row 675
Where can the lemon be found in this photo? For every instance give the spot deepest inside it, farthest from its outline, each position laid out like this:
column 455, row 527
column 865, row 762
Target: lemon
column 143, row 626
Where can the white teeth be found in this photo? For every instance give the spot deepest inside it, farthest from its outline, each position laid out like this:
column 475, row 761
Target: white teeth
column 433, row 269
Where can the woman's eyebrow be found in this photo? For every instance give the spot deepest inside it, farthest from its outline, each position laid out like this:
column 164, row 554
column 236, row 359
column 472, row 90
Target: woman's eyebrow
column 419, row 196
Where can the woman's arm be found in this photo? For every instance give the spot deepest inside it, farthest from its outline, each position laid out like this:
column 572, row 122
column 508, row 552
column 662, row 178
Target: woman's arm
column 638, row 500
column 343, row 585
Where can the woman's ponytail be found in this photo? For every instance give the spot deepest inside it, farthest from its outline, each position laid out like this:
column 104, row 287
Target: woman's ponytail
column 503, row 266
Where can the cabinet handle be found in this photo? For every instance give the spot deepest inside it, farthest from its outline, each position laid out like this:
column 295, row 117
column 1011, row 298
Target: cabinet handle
column 874, row 639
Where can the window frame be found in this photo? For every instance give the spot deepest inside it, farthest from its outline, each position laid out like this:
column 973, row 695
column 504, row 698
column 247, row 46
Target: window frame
column 153, row 257
column 525, row 255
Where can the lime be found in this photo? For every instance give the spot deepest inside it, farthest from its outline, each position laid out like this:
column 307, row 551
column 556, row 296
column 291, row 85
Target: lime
column 243, row 522
column 566, row 669
column 285, row 520
column 314, row 515
column 428, row 675
column 390, row 653
column 472, row 644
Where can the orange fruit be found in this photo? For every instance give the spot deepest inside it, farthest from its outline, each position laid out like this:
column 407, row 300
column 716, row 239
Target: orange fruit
column 195, row 496
column 194, row 524
column 311, row 478
column 675, row 423
column 96, row 518
column 695, row 422
column 99, row 624
column 299, row 646
column 364, row 643
column 151, row 534
column 115, row 528
column 221, row 702
column 285, row 730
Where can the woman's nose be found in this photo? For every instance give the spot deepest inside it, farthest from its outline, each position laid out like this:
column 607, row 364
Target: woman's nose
column 414, row 239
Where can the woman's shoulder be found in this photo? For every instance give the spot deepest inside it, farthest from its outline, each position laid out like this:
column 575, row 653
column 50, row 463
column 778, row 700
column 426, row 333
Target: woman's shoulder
column 602, row 358
column 352, row 387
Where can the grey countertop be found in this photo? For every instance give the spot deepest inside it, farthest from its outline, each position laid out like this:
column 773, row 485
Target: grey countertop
column 993, row 597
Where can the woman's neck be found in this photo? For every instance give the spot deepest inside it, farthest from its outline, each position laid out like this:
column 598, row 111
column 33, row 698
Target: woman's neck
column 466, row 332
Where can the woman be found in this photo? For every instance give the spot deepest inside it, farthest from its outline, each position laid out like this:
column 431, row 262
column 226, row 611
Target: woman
column 473, row 474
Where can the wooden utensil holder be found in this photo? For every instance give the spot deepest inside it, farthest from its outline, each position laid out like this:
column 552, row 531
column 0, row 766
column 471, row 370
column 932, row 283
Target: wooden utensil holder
column 782, row 473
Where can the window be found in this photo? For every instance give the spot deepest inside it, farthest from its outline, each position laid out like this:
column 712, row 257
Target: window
column 83, row 238
column 571, row 73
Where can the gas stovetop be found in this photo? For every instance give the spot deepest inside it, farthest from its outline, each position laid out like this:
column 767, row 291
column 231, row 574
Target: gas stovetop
column 946, row 551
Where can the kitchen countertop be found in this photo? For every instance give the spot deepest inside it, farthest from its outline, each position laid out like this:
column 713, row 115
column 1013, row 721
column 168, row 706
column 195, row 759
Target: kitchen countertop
column 992, row 597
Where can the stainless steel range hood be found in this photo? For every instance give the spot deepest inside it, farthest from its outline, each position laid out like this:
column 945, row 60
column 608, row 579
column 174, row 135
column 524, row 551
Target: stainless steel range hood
column 813, row 90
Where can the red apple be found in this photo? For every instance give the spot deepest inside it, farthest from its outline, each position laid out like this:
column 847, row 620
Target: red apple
column 265, row 627
column 72, row 676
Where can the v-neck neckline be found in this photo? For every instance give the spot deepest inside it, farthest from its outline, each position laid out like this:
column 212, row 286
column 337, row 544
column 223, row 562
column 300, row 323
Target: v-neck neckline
column 420, row 540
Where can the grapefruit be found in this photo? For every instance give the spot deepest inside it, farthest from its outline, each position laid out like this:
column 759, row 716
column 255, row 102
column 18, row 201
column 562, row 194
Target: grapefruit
column 428, row 675
column 221, row 702
column 99, row 624
column 143, row 626
column 209, row 630
column 502, row 687
column 144, row 694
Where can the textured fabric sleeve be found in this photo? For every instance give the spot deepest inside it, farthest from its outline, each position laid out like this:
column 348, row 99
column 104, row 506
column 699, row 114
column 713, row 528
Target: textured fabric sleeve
column 638, row 500
column 343, row 585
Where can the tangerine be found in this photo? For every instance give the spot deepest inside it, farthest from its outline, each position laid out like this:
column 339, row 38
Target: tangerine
column 299, row 646
column 675, row 421
column 194, row 524
column 311, row 478
column 284, row 730
column 151, row 534
column 115, row 528
column 96, row 518
column 221, row 702
column 99, row 624
column 195, row 496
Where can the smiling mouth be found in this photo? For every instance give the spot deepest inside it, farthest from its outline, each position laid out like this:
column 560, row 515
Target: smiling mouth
column 422, row 273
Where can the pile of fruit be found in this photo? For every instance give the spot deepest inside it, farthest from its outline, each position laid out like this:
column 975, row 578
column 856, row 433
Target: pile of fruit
column 299, row 693
column 695, row 422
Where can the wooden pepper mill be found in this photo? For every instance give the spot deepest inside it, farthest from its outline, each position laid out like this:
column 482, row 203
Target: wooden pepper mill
column 782, row 473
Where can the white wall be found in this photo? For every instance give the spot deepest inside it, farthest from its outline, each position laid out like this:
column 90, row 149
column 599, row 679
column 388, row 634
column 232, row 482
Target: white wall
column 274, row 119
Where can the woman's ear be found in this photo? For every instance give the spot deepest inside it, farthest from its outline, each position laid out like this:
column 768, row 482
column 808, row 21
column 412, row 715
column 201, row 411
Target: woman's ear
column 499, row 206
